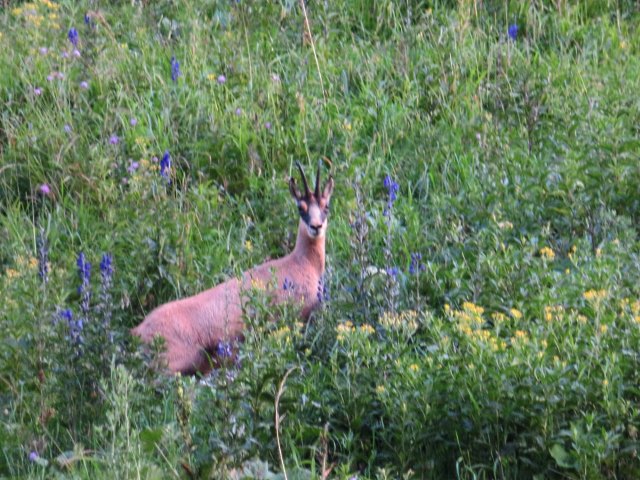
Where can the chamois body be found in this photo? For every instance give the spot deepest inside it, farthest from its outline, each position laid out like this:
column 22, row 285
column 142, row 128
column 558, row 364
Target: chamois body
column 193, row 327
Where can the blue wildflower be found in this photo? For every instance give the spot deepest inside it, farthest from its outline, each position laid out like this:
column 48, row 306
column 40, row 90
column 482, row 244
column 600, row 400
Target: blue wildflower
column 513, row 32
column 73, row 36
column 323, row 289
column 114, row 139
column 175, row 69
column 84, row 271
column 165, row 164
column 392, row 271
column 287, row 285
column 415, row 265
column 106, row 268
column 84, row 268
column 392, row 189
column 224, row 350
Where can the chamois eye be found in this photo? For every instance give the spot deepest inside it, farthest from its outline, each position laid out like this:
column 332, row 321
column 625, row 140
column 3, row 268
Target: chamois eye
column 302, row 207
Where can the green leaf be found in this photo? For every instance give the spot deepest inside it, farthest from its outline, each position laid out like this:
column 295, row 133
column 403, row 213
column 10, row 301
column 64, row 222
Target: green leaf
column 563, row 458
column 150, row 438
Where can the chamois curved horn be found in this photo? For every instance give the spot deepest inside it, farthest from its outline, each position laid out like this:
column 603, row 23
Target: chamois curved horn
column 317, row 190
column 304, row 179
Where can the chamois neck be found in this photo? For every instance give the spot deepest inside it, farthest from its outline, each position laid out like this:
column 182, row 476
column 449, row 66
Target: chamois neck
column 312, row 249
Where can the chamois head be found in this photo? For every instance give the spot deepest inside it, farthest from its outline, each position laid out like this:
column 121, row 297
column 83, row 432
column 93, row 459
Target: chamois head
column 313, row 206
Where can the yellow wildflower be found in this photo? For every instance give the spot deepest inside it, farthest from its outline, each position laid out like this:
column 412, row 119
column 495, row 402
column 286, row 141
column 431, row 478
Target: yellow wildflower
column 636, row 319
column 380, row 389
column 547, row 253
column 595, row 295
column 498, row 317
column 473, row 308
column 582, row 319
column 212, row 77
column 623, row 45
column 521, row 334
column 603, row 329
column 605, row 382
column 598, row 252
column 344, row 328
column 405, row 321
column 248, row 245
column 515, row 313
column 414, row 367
column 11, row 273
column 367, row 329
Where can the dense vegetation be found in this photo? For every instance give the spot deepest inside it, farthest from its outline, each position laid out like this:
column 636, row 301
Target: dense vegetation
column 481, row 308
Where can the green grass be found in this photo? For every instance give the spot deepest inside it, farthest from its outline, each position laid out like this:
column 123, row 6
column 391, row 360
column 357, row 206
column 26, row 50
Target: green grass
column 517, row 163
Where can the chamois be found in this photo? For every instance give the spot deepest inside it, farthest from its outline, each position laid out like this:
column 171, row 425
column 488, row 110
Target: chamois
column 193, row 327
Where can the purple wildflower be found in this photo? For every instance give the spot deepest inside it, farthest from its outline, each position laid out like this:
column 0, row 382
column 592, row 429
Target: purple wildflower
column 267, row 125
column 65, row 54
column 43, row 255
column 513, row 32
column 67, row 128
column 154, row 159
column 133, row 122
column 44, row 189
column 37, row 91
column 33, row 456
column 287, row 286
column 175, row 69
column 44, row 50
column 133, row 167
column 165, row 166
column 84, row 85
column 49, row 78
column 73, row 36
column 114, row 139
column 76, row 53
column 222, row 79
column 392, row 271
column 238, row 111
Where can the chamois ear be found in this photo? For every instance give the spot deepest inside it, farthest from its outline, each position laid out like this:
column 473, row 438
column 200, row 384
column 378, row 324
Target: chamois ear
column 328, row 189
column 294, row 190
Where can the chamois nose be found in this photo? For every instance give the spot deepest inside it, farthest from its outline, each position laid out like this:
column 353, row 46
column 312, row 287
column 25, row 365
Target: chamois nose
column 315, row 228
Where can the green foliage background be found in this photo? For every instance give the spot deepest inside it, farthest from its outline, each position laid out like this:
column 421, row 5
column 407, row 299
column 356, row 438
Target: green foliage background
column 518, row 167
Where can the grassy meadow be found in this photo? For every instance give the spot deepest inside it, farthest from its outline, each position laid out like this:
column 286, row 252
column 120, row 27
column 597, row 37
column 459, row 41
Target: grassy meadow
column 481, row 307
